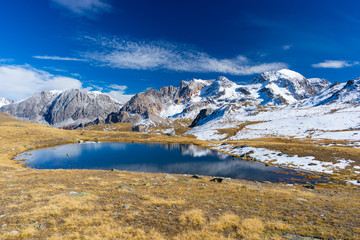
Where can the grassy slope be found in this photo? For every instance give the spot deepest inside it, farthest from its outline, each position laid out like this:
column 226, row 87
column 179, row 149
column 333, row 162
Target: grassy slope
column 37, row 203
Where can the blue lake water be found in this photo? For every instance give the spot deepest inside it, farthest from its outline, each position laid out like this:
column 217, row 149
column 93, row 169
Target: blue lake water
column 164, row 158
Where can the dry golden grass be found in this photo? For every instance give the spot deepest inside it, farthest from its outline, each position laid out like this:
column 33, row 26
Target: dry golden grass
column 41, row 204
column 193, row 217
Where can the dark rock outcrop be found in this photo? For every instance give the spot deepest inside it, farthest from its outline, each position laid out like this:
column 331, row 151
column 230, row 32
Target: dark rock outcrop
column 202, row 115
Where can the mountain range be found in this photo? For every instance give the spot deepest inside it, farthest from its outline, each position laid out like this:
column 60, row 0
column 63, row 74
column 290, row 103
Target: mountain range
column 64, row 109
column 272, row 95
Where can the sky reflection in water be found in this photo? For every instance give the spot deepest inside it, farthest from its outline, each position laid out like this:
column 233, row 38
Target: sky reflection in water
column 166, row 158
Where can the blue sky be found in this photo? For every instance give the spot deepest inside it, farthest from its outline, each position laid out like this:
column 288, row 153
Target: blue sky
column 124, row 47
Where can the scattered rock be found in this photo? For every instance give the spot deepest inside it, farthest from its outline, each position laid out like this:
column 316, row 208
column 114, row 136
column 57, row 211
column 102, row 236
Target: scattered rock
column 217, row 179
column 196, row 176
column 67, row 154
column 309, row 186
column 245, row 145
column 40, row 227
column 114, row 170
column 138, row 128
column 312, row 164
column 75, row 194
column 266, row 181
column 125, row 187
column 184, row 180
column 302, row 199
column 168, row 176
column 80, row 141
column 2, row 215
column 126, row 206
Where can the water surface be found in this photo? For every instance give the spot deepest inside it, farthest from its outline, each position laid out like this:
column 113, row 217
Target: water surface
column 164, row 158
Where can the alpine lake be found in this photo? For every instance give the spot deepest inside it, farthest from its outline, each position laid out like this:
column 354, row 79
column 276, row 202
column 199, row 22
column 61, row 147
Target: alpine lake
column 157, row 158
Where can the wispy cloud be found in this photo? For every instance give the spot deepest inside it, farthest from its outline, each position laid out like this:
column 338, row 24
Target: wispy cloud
column 335, row 64
column 155, row 55
column 286, row 47
column 58, row 58
column 114, row 90
column 84, row 7
column 19, row 82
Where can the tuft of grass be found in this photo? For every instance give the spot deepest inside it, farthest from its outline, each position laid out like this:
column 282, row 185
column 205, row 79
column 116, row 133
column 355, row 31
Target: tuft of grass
column 251, row 228
column 226, row 222
column 193, row 218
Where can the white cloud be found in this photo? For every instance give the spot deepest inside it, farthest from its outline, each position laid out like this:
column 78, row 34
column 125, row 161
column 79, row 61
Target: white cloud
column 115, row 91
column 4, row 60
column 142, row 55
column 58, row 58
column 84, row 7
column 334, row 64
column 19, row 82
column 286, row 47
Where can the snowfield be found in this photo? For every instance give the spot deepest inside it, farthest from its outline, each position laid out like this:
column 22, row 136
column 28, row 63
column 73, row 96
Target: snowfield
column 275, row 157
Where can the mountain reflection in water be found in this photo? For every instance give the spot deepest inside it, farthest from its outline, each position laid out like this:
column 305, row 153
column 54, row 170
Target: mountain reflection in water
column 140, row 157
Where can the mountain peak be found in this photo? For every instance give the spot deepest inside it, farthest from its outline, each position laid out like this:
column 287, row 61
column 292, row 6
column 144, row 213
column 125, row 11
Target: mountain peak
column 5, row 101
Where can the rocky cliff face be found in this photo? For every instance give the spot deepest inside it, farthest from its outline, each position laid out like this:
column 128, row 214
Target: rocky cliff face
column 157, row 105
column 66, row 109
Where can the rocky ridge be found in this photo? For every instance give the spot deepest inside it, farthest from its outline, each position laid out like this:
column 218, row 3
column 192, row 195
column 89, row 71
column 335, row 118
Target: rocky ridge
column 64, row 109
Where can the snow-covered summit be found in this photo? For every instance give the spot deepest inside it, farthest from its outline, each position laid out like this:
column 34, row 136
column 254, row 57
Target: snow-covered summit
column 284, row 87
column 5, row 101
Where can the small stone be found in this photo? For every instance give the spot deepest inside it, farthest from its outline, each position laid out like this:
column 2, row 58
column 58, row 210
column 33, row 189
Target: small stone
column 40, row 227
column 245, row 145
column 2, row 215
column 217, row 179
column 114, row 170
column 309, row 186
column 135, row 183
column 168, row 176
column 147, row 184
column 184, row 180
column 302, row 199
column 312, row 164
column 14, row 232
column 196, row 176
column 127, row 206
column 81, row 141
column 125, row 187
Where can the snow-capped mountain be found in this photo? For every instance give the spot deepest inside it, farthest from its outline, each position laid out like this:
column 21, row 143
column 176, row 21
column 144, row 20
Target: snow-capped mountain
column 5, row 101
column 185, row 101
column 66, row 109
column 337, row 95
column 286, row 87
